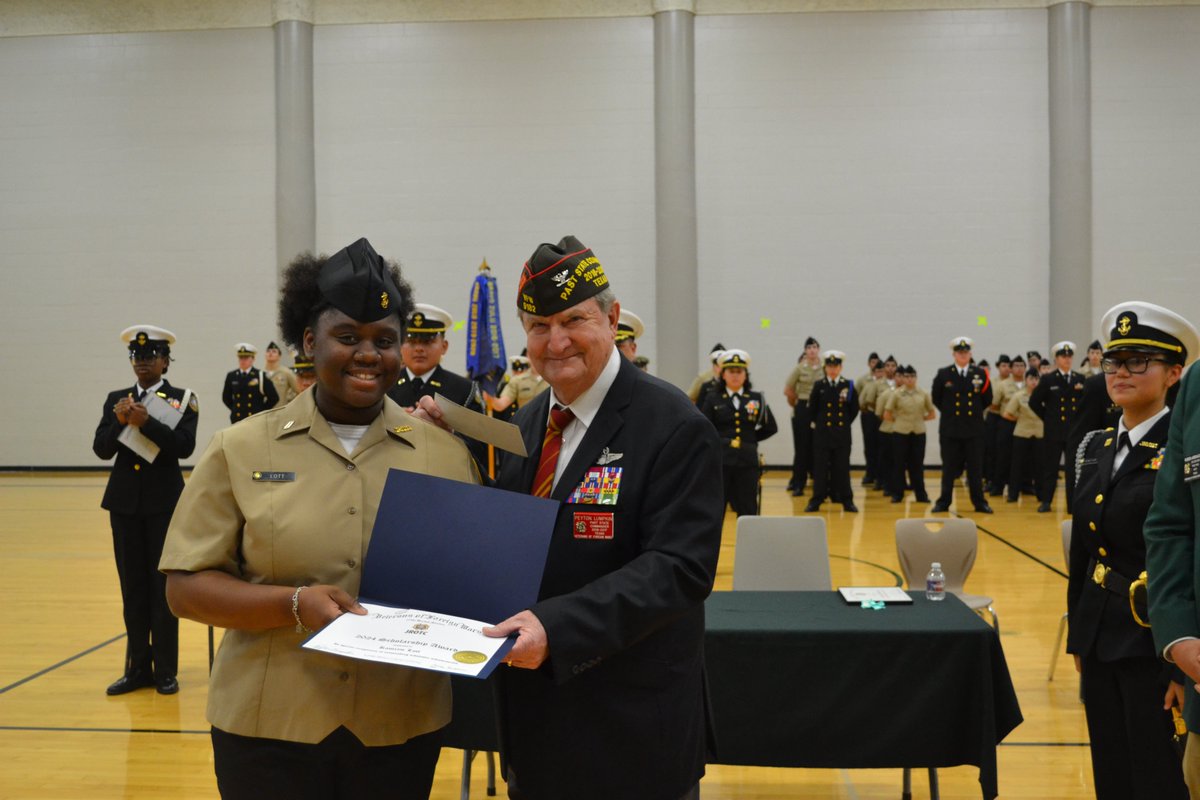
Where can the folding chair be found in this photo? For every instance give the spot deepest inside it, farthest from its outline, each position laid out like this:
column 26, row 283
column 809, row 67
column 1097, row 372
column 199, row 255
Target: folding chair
column 953, row 543
column 781, row 554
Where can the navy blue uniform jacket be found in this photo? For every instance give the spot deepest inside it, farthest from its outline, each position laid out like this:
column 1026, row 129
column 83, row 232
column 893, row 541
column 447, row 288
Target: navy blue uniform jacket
column 618, row 709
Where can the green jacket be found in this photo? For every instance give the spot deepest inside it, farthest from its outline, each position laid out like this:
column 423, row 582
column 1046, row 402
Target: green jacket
column 1172, row 557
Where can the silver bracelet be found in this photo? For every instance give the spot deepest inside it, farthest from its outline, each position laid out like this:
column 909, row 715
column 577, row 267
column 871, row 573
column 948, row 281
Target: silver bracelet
column 300, row 626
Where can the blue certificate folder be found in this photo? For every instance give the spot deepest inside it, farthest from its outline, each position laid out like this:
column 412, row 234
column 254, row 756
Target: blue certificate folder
column 457, row 548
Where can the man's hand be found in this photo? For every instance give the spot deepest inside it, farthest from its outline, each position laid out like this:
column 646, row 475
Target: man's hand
column 1173, row 696
column 427, row 410
column 1186, row 655
column 531, row 648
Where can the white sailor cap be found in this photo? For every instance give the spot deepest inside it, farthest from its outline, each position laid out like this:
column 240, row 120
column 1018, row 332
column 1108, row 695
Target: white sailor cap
column 140, row 334
column 734, row 358
column 961, row 343
column 833, row 356
column 1136, row 325
column 629, row 326
column 246, row 349
column 427, row 319
column 1063, row 348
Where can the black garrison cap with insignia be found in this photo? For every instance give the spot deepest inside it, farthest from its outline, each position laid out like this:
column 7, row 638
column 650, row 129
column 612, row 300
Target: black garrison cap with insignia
column 558, row 276
column 1003, row 359
column 1018, row 359
column 356, row 282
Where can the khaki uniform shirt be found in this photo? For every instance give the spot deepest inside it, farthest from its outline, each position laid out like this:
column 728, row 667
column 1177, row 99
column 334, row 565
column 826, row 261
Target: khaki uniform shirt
column 701, row 379
column 309, row 525
column 868, row 392
column 801, row 379
column 909, row 406
column 285, row 383
column 1029, row 424
column 1001, row 391
column 523, row 388
column 883, row 394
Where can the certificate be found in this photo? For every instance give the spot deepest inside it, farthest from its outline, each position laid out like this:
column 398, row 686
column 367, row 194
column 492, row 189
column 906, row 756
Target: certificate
column 877, row 594
column 412, row 638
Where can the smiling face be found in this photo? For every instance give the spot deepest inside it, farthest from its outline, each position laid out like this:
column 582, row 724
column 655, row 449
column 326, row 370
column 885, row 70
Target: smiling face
column 355, row 364
column 569, row 349
column 1141, row 392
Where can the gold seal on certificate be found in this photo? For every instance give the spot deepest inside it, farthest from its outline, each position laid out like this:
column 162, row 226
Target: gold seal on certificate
column 469, row 657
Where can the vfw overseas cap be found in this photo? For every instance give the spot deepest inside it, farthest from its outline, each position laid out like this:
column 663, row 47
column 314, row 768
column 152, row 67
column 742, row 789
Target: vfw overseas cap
column 427, row 319
column 1136, row 325
column 558, row 276
column 356, row 282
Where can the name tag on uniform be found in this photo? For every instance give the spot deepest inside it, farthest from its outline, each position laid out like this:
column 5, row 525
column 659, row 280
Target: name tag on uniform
column 592, row 525
column 273, row 477
column 1191, row 469
column 600, row 486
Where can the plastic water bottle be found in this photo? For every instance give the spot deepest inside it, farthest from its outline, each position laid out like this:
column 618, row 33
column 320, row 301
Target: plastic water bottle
column 935, row 582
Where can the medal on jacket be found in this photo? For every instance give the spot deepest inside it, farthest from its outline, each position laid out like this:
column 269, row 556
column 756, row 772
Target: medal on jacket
column 600, row 486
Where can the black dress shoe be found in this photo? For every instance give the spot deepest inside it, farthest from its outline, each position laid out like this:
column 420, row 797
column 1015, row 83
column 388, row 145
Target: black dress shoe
column 167, row 686
column 896, row 498
column 129, row 683
column 812, row 506
column 984, row 509
column 798, row 492
column 939, row 507
column 849, row 506
column 923, row 498
column 1043, row 508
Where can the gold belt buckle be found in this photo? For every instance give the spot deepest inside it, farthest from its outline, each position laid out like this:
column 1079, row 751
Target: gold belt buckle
column 1100, row 574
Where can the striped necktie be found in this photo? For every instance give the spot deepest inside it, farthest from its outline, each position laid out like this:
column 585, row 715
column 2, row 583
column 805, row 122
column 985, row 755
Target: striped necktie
column 543, row 481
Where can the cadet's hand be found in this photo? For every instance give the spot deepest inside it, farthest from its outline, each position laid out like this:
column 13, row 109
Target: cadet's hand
column 1174, row 696
column 427, row 411
column 138, row 415
column 1186, row 655
column 121, row 409
column 531, row 648
column 322, row 604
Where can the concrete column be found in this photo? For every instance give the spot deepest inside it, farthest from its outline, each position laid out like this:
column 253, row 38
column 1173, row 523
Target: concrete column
column 1071, row 313
column 295, row 171
column 676, row 280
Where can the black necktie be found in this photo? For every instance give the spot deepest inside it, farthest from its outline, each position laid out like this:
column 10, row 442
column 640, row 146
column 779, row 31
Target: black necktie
column 1123, row 442
column 141, row 394
column 418, row 384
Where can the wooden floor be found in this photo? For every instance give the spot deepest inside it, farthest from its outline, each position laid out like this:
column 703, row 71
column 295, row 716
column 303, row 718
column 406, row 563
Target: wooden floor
column 62, row 737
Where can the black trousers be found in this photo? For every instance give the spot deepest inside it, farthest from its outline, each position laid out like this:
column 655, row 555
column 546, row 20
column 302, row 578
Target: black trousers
column 908, row 458
column 871, row 444
column 831, row 470
column 741, row 488
column 802, row 444
column 1003, row 446
column 885, row 468
column 1026, row 468
column 152, row 631
column 1133, row 757
column 959, row 453
column 339, row 766
column 1053, row 452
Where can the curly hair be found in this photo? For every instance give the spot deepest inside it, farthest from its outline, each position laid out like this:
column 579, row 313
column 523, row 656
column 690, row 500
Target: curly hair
column 301, row 302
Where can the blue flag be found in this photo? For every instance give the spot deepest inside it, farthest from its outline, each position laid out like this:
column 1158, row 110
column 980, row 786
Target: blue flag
column 486, row 361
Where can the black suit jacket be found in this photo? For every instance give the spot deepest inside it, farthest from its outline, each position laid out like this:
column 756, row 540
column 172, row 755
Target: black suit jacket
column 961, row 401
column 438, row 381
column 137, row 486
column 833, row 406
column 1096, row 412
column 618, row 709
column 248, row 394
column 1056, row 400
column 1109, row 514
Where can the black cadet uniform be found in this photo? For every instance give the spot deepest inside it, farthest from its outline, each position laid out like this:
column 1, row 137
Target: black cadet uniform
column 249, row 392
column 742, row 421
column 140, row 498
column 961, row 400
column 1123, row 678
column 1056, row 400
column 439, row 380
column 833, row 405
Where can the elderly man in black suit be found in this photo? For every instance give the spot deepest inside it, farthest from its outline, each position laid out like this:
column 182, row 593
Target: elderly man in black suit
column 606, row 695
column 140, row 498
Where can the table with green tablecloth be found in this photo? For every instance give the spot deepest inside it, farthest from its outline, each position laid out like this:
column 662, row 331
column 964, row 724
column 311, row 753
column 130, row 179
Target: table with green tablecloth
column 802, row 679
